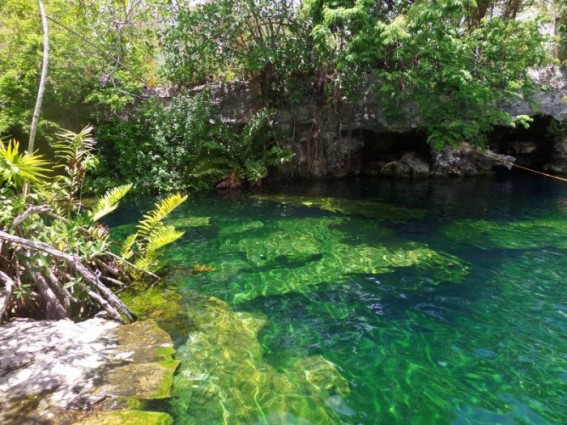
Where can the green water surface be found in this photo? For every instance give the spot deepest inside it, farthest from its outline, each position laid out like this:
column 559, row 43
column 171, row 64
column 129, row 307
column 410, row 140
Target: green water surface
column 367, row 302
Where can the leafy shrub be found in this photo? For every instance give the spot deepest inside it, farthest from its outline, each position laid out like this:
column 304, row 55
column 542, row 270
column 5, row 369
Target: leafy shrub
column 186, row 145
column 55, row 259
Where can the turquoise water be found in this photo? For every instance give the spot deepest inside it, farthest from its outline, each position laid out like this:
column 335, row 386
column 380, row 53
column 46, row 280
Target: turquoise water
column 368, row 302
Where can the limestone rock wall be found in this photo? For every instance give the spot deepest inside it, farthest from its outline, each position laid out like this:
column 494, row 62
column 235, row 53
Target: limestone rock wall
column 334, row 141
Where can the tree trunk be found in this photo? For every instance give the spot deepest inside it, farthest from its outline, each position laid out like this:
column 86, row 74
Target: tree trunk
column 43, row 78
column 5, row 293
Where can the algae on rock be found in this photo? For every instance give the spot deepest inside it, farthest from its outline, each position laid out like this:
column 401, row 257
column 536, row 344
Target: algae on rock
column 190, row 221
column 224, row 377
column 292, row 239
column 148, row 375
column 154, row 302
column 129, row 417
column 294, row 255
column 525, row 234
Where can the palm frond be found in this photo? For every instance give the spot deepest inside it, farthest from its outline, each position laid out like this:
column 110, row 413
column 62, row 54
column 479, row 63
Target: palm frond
column 109, row 202
column 162, row 210
column 18, row 168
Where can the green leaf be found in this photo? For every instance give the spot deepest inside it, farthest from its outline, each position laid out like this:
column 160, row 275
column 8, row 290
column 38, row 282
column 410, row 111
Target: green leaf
column 19, row 168
column 162, row 210
column 109, row 202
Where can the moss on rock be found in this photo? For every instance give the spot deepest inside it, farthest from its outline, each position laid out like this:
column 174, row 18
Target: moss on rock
column 128, row 417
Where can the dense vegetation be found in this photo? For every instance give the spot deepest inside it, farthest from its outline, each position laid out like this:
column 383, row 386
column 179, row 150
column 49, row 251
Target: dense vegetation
column 56, row 260
column 450, row 63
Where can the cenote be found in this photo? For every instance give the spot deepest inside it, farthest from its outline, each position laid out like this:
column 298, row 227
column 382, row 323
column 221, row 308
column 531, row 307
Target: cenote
column 372, row 302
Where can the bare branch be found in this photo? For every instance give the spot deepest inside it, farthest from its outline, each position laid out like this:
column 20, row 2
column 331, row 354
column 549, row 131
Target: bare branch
column 75, row 263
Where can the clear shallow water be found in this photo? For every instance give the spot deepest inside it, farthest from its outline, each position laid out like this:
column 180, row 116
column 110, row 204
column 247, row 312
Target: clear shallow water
column 413, row 303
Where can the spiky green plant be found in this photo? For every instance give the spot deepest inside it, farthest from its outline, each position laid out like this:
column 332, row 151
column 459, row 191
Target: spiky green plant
column 17, row 169
column 154, row 218
column 160, row 237
column 76, row 153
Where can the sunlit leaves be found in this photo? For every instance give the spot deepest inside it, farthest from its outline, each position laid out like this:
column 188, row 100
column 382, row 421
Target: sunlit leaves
column 109, row 202
column 17, row 168
column 453, row 63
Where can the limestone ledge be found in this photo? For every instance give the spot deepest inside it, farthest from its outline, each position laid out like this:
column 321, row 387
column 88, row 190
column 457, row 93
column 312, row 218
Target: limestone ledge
column 92, row 372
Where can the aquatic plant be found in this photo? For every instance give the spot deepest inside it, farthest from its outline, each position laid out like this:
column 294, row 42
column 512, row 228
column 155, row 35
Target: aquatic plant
column 190, row 221
column 295, row 255
column 292, row 239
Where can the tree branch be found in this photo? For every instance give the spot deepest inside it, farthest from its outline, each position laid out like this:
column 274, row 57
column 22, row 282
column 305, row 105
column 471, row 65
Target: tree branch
column 75, row 262
column 6, row 293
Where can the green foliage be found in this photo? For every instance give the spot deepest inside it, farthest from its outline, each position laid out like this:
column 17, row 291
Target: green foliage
column 561, row 27
column 18, row 168
column 152, row 235
column 75, row 151
column 224, row 39
column 153, row 220
column 69, row 282
column 109, row 202
column 85, row 78
column 186, row 145
column 449, row 63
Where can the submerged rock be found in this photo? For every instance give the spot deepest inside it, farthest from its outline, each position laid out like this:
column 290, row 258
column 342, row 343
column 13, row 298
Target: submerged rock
column 295, row 255
column 225, row 378
column 520, row 235
column 58, row 372
column 371, row 209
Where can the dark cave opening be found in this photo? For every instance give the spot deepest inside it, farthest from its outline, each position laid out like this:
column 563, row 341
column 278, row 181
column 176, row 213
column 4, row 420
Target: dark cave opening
column 532, row 147
column 380, row 148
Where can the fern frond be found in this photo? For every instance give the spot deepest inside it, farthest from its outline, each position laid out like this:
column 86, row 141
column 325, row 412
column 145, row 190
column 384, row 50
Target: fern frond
column 162, row 236
column 109, row 202
column 162, row 210
column 126, row 249
column 214, row 168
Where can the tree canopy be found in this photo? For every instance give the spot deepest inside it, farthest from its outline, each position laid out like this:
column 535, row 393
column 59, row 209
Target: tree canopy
column 449, row 65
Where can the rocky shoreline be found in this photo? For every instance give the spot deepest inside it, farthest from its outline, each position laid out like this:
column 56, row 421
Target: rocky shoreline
column 92, row 372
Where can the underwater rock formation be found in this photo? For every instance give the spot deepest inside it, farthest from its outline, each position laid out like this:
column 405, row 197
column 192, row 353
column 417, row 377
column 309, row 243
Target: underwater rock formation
column 224, row 377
